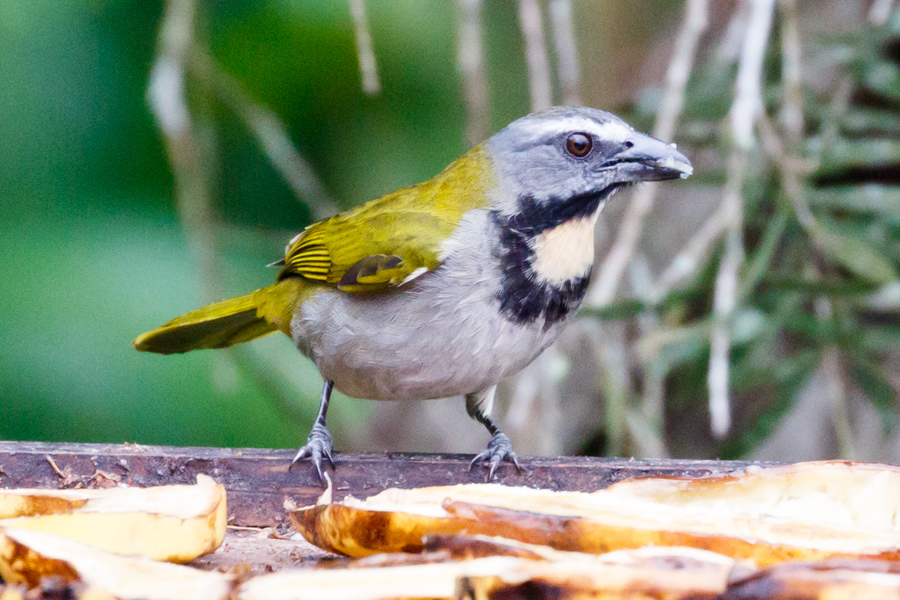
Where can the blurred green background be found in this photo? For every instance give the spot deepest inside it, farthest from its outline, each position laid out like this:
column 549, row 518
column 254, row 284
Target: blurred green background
column 94, row 251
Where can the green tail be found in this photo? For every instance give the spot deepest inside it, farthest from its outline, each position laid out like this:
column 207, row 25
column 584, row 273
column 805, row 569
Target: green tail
column 218, row 325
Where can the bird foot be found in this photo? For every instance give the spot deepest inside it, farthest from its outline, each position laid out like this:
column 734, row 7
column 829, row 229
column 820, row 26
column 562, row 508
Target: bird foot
column 498, row 449
column 318, row 447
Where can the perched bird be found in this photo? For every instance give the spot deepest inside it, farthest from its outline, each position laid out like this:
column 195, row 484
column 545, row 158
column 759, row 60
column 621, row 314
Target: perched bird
column 446, row 287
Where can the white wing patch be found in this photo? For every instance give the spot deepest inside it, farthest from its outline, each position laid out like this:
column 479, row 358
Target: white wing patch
column 418, row 272
column 566, row 251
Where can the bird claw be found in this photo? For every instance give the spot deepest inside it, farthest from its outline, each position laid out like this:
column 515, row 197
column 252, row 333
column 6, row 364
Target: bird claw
column 498, row 449
column 318, row 446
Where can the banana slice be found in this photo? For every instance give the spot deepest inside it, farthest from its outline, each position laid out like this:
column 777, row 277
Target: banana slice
column 175, row 523
column 28, row 557
column 766, row 514
column 671, row 573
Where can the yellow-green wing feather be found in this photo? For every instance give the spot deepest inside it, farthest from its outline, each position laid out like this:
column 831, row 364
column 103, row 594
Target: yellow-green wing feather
column 383, row 242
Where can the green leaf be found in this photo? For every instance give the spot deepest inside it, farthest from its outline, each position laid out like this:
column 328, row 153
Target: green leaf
column 846, row 154
column 863, row 121
column 883, row 77
column 833, row 288
column 879, row 339
column 853, row 253
column 762, row 257
column 879, row 200
column 868, row 376
column 624, row 308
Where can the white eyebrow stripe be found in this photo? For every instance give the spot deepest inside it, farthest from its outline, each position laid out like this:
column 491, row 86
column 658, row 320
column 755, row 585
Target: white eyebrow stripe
column 612, row 131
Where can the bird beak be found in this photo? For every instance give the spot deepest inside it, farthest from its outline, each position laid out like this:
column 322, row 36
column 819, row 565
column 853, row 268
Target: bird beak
column 649, row 159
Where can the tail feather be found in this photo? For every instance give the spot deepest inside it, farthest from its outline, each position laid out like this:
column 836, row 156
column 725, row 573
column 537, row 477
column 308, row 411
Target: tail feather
column 218, row 325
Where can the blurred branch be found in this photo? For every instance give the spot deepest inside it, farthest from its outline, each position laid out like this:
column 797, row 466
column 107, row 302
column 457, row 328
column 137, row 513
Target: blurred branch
column 833, row 367
column 604, row 290
column 694, row 254
column 880, row 11
column 791, row 60
column 790, row 168
column 168, row 101
column 729, row 48
column 367, row 66
column 648, row 428
column 470, row 61
column 535, row 54
column 835, row 374
column 566, row 51
column 610, row 346
column 840, row 102
column 269, row 132
column 748, row 102
column 647, row 441
column 536, row 400
column 746, row 110
column 765, row 252
column 725, row 296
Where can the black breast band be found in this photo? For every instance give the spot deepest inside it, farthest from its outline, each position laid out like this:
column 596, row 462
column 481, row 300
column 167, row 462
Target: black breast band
column 522, row 298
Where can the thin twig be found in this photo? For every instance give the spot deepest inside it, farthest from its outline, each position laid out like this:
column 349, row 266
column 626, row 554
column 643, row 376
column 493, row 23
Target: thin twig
column 792, row 187
column 729, row 47
column 791, row 168
column 837, row 108
column 746, row 110
column 54, row 466
column 269, row 132
column 604, row 290
column 168, row 102
column 470, row 61
column 836, row 374
column 791, row 61
column 648, row 430
column 563, row 29
column 748, row 101
column 725, row 296
column 692, row 255
column 836, row 379
column 609, row 345
column 367, row 65
column 535, row 54
column 535, row 402
column 765, row 251
column 647, row 441
column 880, row 11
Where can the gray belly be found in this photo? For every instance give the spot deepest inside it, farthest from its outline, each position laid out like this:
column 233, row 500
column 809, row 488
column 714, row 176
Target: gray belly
column 441, row 335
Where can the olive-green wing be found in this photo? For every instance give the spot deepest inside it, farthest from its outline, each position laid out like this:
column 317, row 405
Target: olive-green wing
column 393, row 239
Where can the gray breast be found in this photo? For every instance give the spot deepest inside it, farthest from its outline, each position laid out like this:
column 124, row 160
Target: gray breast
column 443, row 334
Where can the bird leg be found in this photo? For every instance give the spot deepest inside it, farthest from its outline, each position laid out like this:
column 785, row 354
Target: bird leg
column 319, row 444
column 499, row 448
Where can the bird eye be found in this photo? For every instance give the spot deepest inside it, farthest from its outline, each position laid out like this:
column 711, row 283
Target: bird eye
column 579, row 144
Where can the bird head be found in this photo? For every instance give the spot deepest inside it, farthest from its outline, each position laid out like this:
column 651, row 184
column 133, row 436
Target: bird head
column 554, row 170
column 578, row 155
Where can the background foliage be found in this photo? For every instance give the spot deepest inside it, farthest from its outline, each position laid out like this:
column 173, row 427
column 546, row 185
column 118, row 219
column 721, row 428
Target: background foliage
column 95, row 250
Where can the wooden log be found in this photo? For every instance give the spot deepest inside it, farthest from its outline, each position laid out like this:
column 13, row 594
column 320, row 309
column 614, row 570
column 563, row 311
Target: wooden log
column 258, row 480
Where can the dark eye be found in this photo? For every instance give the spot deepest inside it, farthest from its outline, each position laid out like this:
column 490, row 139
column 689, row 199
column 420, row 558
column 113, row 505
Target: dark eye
column 579, row 144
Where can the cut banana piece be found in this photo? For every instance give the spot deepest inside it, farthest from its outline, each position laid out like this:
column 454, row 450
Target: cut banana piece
column 766, row 514
column 175, row 523
column 31, row 556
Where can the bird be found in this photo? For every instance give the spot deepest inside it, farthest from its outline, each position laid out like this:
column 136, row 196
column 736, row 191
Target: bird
column 447, row 287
